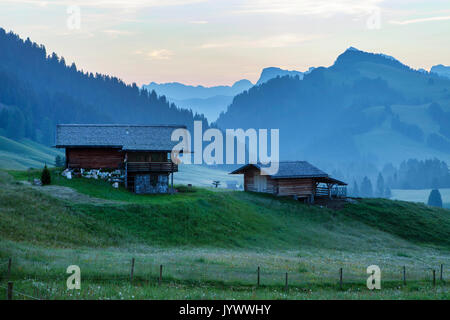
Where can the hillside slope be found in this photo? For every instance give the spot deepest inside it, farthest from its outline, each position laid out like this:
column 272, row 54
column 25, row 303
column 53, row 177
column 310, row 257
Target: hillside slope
column 211, row 219
column 208, row 239
column 25, row 154
column 330, row 113
column 41, row 90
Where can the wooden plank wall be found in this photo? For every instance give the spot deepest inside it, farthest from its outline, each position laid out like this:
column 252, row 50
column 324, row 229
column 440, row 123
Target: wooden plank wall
column 94, row 158
column 250, row 185
column 301, row 187
column 248, row 180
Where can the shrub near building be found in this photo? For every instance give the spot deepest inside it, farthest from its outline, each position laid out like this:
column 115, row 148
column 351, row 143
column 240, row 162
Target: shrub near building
column 45, row 176
column 435, row 198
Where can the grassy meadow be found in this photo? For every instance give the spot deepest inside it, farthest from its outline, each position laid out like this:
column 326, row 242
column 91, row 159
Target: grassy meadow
column 420, row 195
column 25, row 154
column 210, row 244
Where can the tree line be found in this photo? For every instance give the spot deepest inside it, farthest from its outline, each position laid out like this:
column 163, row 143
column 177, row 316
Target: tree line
column 38, row 91
column 410, row 174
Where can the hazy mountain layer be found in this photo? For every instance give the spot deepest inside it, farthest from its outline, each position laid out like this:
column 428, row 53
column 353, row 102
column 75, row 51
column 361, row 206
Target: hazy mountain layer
column 441, row 70
column 272, row 72
column 364, row 107
column 179, row 91
column 211, row 101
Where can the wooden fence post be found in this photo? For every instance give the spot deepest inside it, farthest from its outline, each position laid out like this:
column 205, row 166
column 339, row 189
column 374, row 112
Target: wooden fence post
column 286, row 284
column 404, row 275
column 10, row 291
column 340, row 278
column 442, row 273
column 9, row 269
column 258, row 276
column 132, row 270
column 434, row 278
column 160, row 274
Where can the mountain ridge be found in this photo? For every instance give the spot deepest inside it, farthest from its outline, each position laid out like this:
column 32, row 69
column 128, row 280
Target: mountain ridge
column 441, row 70
column 211, row 101
column 44, row 91
column 273, row 72
column 349, row 110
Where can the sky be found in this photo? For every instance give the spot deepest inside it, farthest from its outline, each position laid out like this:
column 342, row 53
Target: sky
column 218, row 42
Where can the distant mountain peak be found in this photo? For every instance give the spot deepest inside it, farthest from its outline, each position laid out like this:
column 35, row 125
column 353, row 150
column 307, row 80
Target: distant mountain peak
column 388, row 57
column 352, row 55
column 352, row 49
column 441, row 70
column 244, row 84
column 273, row 72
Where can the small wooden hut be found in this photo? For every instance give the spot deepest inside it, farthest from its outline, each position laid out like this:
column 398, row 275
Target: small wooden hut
column 294, row 178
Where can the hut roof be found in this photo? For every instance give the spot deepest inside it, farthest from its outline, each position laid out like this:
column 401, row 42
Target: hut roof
column 126, row 137
column 294, row 169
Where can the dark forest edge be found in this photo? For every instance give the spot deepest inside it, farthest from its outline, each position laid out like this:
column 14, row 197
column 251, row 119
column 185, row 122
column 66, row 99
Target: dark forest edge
column 37, row 91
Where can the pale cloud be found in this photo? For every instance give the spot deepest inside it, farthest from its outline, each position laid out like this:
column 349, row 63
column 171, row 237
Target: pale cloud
column 161, row 54
column 158, row 54
column 310, row 7
column 78, row 33
column 198, row 21
column 419, row 20
column 278, row 41
column 34, row 2
column 115, row 33
column 290, row 33
column 109, row 4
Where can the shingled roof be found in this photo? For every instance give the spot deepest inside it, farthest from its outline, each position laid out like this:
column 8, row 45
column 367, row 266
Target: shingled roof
column 294, row 169
column 126, row 137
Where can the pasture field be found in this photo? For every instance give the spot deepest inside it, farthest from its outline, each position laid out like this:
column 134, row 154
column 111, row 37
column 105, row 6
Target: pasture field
column 420, row 195
column 190, row 273
column 24, row 154
column 210, row 244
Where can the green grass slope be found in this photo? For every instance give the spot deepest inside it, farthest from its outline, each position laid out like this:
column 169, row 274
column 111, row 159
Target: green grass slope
column 198, row 175
column 210, row 243
column 373, row 142
column 208, row 218
column 25, row 154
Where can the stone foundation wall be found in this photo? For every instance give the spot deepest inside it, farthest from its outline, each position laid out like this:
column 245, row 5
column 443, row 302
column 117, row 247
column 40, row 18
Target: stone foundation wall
column 151, row 183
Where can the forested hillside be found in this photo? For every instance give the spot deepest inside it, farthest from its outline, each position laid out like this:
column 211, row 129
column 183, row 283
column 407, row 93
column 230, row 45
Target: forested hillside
column 365, row 106
column 39, row 90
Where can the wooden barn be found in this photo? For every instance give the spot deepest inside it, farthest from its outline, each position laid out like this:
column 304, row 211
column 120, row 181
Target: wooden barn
column 142, row 153
column 294, row 178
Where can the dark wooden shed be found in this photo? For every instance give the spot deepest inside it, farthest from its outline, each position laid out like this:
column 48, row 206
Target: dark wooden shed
column 141, row 152
column 294, row 178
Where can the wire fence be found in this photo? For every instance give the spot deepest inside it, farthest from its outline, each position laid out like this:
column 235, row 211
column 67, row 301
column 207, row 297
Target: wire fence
column 10, row 293
column 202, row 273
